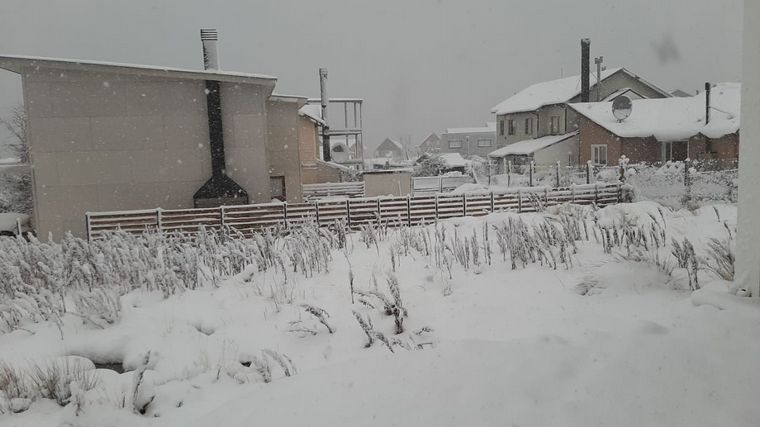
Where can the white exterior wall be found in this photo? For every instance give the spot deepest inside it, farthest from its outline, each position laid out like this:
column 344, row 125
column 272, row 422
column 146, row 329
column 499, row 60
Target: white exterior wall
column 748, row 236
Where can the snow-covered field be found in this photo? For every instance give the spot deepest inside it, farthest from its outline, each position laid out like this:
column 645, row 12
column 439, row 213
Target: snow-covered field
column 590, row 331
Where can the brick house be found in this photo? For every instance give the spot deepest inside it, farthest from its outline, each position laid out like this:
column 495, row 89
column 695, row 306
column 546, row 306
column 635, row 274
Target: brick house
column 536, row 118
column 660, row 130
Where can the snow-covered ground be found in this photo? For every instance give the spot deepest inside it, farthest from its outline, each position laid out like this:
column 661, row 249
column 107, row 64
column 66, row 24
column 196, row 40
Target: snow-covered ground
column 608, row 337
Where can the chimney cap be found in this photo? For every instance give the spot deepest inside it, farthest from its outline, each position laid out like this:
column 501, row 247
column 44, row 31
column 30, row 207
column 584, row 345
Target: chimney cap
column 209, row 34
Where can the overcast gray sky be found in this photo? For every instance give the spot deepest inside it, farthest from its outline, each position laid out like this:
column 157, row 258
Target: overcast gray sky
column 420, row 65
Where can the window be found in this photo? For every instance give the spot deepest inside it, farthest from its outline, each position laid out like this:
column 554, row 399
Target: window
column 511, row 127
column 599, row 154
column 555, row 125
column 484, row 143
column 667, row 151
column 277, row 185
column 529, row 126
column 455, row 143
column 501, row 127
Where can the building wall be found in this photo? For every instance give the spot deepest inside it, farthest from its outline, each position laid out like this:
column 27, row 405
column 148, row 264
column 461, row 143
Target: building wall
column 308, row 142
column 113, row 141
column 318, row 173
column 565, row 152
column 283, row 146
column 468, row 149
column 396, row 183
column 649, row 150
column 244, row 115
column 568, row 117
column 520, row 135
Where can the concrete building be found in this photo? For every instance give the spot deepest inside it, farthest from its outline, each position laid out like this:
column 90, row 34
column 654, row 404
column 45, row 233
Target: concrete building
column 541, row 110
column 107, row 137
column 469, row 141
column 659, row 130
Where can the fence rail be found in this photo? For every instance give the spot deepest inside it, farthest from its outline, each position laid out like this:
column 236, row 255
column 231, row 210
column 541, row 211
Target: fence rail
column 332, row 189
column 354, row 212
column 422, row 185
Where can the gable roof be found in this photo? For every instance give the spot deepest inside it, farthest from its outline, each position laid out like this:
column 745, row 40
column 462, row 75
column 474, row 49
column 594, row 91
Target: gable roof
column 432, row 137
column 17, row 63
column 391, row 141
column 530, row 146
column 671, row 119
column 557, row 91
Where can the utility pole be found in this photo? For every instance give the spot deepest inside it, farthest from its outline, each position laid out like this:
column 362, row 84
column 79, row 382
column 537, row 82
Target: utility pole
column 598, row 61
column 324, row 100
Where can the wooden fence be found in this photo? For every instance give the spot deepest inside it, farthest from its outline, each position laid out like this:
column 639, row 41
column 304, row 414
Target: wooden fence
column 332, row 189
column 429, row 185
column 355, row 212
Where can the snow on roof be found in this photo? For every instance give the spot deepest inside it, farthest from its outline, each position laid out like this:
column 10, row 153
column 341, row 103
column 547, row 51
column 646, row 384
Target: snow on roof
column 546, row 93
column 453, row 160
column 490, row 127
column 671, row 119
column 392, row 141
column 530, row 146
column 16, row 64
column 312, row 111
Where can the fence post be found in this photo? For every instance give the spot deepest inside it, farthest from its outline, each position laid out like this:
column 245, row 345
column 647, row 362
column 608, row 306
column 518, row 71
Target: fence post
column 464, row 204
column 158, row 220
column 348, row 213
column 409, row 209
column 687, row 180
column 509, row 173
column 316, row 211
column 285, row 214
column 572, row 193
column 519, row 201
column 440, row 184
column 221, row 219
column 436, row 207
column 378, row 211
column 530, row 173
column 588, row 172
column 619, row 192
column 558, row 166
column 492, row 204
column 87, row 224
column 546, row 196
column 596, row 193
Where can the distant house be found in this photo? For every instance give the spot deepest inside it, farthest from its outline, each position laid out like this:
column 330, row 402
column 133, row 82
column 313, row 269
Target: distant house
column 540, row 112
column 659, row 130
column 430, row 144
column 390, row 149
column 469, row 141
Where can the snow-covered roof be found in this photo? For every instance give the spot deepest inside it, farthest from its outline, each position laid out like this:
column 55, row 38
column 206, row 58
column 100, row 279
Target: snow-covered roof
column 547, row 93
column 490, row 127
column 453, row 160
column 313, row 112
column 530, row 146
column 392, row 141
column 17, row 63
column 671, row 119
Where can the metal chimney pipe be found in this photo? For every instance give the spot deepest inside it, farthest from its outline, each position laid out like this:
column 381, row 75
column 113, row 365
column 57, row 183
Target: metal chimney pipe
column 585, row 71
column 324, row 100
column 708, row 88
column 209, row 37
